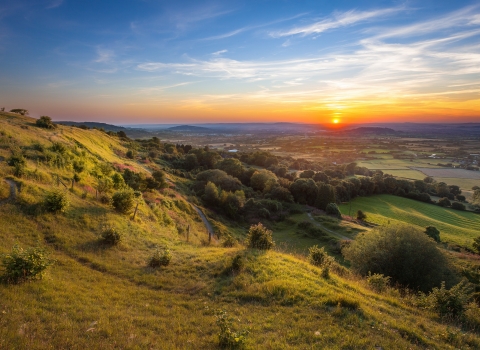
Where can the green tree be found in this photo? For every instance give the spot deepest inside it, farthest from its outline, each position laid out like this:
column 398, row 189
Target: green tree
column 261, row 178
column 211, row 195
column 433, row 232
column 332, row 209
column 231, row 166
column 325, row 195
column 402, row 252
column 45, row 122
column 444, row 202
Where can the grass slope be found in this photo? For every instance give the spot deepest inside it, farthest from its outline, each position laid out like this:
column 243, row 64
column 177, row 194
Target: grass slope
column 100, row 297
column 455, row 226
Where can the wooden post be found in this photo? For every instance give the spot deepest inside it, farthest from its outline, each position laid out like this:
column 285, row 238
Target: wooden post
column 135, row 213
column 96, row 194
column 73, row 183
column 188, row 233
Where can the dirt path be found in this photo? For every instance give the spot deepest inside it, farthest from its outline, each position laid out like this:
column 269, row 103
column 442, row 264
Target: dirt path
column 338, row 235
column 208, row 226
column 13, row 191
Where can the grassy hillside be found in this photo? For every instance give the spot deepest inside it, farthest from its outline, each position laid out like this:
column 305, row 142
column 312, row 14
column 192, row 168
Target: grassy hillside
column 106, row 297
column 455, row 226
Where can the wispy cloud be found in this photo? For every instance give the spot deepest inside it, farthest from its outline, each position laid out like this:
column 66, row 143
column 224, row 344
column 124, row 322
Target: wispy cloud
column 104, row 55
column 337, row 20
column 218, row 53
column 54, row 3
column 417, row 69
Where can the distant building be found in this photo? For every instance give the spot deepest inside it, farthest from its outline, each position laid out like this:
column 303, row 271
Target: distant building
column 233, row 150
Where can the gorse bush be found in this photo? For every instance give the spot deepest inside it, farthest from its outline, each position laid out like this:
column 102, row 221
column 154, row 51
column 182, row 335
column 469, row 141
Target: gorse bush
column 123, row 201
column 259, row 237
column 404, row 253
column 319, row 257
column 56, row 201
column 111, row 236
column 161, row 257
column 433, row 233
column 45, row 122
column 227, row 337
column 378, row 282
column 361, row 215
column 449, row 302
column 25, row 264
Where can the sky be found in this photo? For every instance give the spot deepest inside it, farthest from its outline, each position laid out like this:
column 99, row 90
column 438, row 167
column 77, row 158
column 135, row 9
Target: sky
column 148, row 61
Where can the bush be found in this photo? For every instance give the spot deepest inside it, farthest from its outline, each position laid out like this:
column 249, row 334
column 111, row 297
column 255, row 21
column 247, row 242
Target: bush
column 56, row 201
column 450, row 302
column 227, row 337
column 458, row 206
column 45, row 122
column 16, row 159
column 402, row 252
column 378, row 282
column 332, row 209
column 111, row 236
column 161, row 257
column 361, row 215
column 476, row 244
column 237, row 265
column 23, row 265
column 105, row 199
column 123, row 201
column 229, row 242
column 319, row 257
column 259, row 237
column 432, row 232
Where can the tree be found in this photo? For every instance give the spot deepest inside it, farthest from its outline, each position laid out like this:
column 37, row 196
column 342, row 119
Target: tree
column 211, row 195
column 231, row 166
column 433, row 232
column 402, row 252
column 444, row 202
column 45, row 122
column 259, row 237
column 442, row 189
column 458, row 206
column 476, row 197
column 428, row 180
column 325, row 195
column 304, row 191
column 20, row 111
column 259, row 179
column 361, row 215
column 307, row 174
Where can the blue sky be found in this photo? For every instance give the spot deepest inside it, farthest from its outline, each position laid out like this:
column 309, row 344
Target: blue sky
column 193, row 61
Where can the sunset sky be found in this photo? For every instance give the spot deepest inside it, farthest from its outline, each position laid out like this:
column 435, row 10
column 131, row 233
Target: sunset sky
column 242, row 61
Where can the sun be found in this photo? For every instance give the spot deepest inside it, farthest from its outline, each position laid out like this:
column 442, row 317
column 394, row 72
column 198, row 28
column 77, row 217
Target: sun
column 336, row 121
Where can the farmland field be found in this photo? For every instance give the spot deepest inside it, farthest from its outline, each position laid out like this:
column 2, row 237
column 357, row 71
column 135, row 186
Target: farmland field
column 449, row 172
column 407, row 174
column 455, row 226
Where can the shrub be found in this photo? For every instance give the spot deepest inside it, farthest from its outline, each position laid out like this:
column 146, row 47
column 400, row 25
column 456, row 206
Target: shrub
column 378, row 282
column 23, row 265
column 131, row 154
column 16, row 159
column 111, row 236
column 450, row 302
column 123, row 201
column 432, row 232
column 458, row 206
column 56, row 201
column 332, row 209
column 361, row 215
column 161, row 257
column 402, row 252
column 105, row 199
column 237, row 265
column 259, row 237
column 476, row 244
column 227, row 337
column 229, row 242
column 319, row 257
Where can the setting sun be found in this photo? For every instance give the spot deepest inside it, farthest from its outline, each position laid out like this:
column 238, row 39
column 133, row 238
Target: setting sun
column 336, row 121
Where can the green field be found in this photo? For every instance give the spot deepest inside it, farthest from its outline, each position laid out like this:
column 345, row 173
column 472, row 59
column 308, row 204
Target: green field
column 407, row 174
column 455, row 226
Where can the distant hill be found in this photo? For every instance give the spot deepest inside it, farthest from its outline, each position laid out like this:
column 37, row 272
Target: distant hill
column 104, row 126
column 189, row 128
column 371, row 130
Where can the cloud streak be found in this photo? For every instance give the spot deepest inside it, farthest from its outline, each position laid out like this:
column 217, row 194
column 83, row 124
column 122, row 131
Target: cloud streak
column 344, row 19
